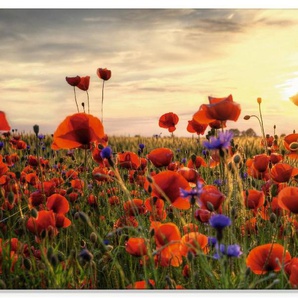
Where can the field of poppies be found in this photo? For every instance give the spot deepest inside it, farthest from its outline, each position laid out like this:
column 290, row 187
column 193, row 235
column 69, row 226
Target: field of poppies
column 81, row 209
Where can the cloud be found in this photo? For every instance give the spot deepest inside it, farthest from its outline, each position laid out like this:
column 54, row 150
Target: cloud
column 161, row 59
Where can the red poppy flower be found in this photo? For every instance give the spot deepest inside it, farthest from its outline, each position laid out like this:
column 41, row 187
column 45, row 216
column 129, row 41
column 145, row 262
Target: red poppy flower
column 160, row 157
column 101, row 174
column 57, row 203
column 263, row 258
column 291, row 144
column 258, row 166
column 128, row 160
column 134, row 207
column 249, row 227
column 253, row 199
column 218, row 124
column 104, row 74
column 45, row 221
column 283, row 172
column 194, row 243
column 190, row 227
column 84, row 83
column 196, row 127
column 275, row 158
column 4, row 126
column 48, row 187
column 32, row 178
column 211, row 196
column 126, row 221
column 166, row 185
column 77, row 131
column 36, row 198
column 62, row 221
column 288, row 199
column 165, row 233
column 191, row 175
column 155, row 206
column 73, row 81
column 291, row 268
column 167, row 238
column 221, row 109
column 196, row 162
column 168, row 120
column 77, row 184
column 3, row 167
column 142, row 284
column 136, row 246
column 203, row 215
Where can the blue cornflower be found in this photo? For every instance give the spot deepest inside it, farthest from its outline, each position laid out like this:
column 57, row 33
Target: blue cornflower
column 221, row 142
column 1, row 145
column 233, row 250
column 40, row 136
column 218, row 182
column 106, row 152
column 212, row 241
column 184, row 160
column 219, row 221
column 141, row 146
column 192, row 195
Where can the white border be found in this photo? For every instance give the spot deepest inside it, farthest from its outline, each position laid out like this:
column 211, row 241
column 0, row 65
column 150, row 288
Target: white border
column 276, row 4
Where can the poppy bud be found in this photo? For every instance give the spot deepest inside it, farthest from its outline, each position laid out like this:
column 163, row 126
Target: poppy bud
column 93, row 237
column 60, row 256
column 210, row 206
column 36, row 129
column 34, row 213
column 272, row 217
column 10, row 197
column 50, row 252
column 190, row 256
column 27, row 264
column 84, row 217
column 150, row 180
column 237, row 158
column 259, row 100
column 246, row 117
column 54, row 260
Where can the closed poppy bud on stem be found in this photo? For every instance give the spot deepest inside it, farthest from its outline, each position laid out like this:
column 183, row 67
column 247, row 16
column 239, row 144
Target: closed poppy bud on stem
column 246, row 117
column 259, row 100
column 36, row 129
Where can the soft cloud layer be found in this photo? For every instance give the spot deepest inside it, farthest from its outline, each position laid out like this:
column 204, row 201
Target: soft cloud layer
column 162, row 60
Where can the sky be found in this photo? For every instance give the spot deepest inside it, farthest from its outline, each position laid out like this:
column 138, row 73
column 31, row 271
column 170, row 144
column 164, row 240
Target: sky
column 162, row 60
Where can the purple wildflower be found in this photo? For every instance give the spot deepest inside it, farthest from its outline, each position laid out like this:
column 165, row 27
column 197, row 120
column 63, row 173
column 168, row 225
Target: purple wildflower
column 106, row 152
column 212, row 241
column 230, row 251
column 192, row 195
column 1, row 145
column 221, row 142
column 219, row 221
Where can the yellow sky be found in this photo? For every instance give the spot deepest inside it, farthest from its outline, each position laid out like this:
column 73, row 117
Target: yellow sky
column 162, row 61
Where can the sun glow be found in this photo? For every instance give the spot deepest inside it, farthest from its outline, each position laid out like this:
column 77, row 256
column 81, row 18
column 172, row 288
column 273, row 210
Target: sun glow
column 289, row 88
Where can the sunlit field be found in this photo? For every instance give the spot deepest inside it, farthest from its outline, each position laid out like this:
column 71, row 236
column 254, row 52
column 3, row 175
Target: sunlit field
column 81, row 209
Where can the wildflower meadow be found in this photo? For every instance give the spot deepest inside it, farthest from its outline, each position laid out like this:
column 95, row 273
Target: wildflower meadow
column 82, row 209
